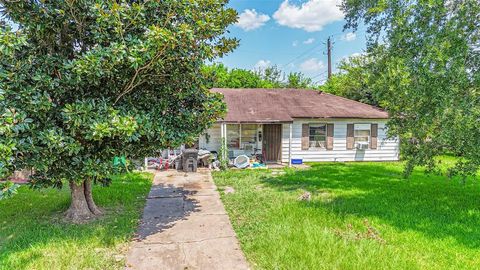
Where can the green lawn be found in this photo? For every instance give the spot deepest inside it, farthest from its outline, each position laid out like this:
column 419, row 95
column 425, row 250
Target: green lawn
column 425, row 222
column 33, row 234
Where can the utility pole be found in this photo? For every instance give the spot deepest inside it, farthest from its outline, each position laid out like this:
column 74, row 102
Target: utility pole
column 329, row 53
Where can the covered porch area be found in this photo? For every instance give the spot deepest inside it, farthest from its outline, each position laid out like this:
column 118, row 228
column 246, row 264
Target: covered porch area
column 267, row 139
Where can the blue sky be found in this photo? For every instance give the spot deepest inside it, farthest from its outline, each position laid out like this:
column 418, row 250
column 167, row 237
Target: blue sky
column 292, row 35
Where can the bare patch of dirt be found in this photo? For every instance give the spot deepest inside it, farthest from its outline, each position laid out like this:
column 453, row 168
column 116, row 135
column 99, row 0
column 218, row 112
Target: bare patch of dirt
column 368, row 232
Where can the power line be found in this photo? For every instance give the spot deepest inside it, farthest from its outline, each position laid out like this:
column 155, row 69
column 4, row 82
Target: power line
column 322, row 80
column 307, row 52
column 318, row 75
column 302, row 54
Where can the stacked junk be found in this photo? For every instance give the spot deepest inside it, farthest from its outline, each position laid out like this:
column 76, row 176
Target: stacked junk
column 188, row 160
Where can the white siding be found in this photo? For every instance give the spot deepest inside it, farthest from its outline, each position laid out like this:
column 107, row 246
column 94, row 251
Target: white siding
column 387, row 149
column 214, row 141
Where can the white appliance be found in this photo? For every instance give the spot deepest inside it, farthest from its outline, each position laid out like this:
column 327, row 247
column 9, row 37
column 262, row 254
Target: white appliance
column 362, row 145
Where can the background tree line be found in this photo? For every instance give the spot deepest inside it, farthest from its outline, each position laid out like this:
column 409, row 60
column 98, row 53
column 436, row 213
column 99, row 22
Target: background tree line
column 351, row 80
column 219, row 76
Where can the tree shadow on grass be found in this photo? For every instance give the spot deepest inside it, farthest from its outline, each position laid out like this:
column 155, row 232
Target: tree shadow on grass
column 432, row 205
column 32, row 227
column 166, row 204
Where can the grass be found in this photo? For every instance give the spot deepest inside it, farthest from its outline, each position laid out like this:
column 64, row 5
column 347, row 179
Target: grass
column 361, row 216
column 33, row 234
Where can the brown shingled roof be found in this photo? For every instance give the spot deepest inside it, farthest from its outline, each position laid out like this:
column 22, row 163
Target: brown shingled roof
column 283, row 105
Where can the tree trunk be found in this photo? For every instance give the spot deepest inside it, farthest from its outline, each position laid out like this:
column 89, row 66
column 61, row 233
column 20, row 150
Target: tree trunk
column 88, row 196
column 82, row 207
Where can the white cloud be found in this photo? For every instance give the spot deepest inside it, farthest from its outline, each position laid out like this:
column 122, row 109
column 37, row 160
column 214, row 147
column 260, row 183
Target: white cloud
column 249, row 19
column 310, row 16
column 353, row 55
column 350, row 36
column 262, row 64
column 309, row 41
column 311, row 65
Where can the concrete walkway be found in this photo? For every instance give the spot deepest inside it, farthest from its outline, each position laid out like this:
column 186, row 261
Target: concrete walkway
column 185, row 226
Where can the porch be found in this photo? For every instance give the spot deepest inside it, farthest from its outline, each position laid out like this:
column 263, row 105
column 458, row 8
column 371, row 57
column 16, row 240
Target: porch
column 247, row 138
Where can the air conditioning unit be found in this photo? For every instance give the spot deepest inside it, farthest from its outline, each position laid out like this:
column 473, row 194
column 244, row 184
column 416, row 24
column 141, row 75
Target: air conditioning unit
column 362, row 145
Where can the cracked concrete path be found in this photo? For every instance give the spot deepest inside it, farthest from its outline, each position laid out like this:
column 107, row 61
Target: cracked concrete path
column 185, row 226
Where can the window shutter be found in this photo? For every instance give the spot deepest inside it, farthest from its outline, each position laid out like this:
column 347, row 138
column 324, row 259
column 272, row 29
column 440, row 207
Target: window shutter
column 305, row 137
column 350, row 138
column 329, row 136
column 373, row 136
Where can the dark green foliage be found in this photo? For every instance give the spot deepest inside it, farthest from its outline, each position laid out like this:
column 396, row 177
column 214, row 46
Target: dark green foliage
column 352, row 81
column 425, row 71
column 84, row 81
column 8, row 189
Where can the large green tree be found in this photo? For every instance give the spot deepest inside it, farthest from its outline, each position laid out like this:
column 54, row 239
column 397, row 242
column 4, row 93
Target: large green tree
column 426, row 72
column 83, row 81
column 353, row 80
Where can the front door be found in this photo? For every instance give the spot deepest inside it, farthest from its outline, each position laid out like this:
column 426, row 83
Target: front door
column 272, row 142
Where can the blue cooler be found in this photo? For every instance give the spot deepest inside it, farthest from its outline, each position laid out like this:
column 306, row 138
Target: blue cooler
column 297, row 161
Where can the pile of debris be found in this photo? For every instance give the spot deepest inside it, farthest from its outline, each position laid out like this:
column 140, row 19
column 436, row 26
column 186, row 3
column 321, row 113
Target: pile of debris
column 187, row 160
column 190, row 159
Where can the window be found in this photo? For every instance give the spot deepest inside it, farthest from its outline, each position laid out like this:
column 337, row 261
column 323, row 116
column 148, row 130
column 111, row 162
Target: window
column 317, row 135
column 362, row 133
column 242, row 136
column 233, row 136
column 248, row 137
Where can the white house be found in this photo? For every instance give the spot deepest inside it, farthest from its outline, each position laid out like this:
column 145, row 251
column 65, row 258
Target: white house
column 286, row 124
